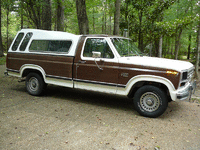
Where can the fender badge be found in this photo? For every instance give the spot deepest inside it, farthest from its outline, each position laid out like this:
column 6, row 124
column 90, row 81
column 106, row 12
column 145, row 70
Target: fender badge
column 124, row 75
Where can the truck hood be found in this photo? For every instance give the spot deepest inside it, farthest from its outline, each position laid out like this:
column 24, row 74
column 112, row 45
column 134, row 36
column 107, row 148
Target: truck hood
column 156, row 62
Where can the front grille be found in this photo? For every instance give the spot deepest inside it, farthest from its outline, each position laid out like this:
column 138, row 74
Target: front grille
column 186, row 77
column 190, row 73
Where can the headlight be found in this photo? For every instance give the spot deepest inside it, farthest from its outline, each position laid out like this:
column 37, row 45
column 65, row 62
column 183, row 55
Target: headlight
column 184, row 75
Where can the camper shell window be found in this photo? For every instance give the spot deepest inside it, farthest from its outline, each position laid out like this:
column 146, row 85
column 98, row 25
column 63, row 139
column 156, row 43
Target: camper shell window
column 50, row 46
column 25, row 41
column 17, row 41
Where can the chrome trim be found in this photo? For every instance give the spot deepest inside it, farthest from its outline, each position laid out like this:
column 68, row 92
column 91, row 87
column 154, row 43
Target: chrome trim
column 101, row 83
column 58, row 77
column 190, row 74
column 186, row 93
column 12, row 70
column 145, row 70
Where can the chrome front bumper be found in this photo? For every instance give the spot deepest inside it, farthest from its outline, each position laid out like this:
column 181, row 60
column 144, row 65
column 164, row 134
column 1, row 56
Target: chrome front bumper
column 186, row 93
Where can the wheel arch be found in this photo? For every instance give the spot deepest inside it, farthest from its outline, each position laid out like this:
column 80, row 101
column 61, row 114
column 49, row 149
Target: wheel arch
column 136, row 82
column 27, row 68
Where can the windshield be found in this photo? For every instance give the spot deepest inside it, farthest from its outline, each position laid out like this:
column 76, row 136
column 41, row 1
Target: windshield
column 126, row 47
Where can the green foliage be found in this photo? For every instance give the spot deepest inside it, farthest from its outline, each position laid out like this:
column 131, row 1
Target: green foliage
column 146, row 20
column 3, row 60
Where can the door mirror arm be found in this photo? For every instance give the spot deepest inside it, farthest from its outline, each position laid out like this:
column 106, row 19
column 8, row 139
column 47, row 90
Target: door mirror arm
column 97, row 64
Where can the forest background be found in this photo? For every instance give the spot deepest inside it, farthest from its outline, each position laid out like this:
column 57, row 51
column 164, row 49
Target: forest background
column 160, row 28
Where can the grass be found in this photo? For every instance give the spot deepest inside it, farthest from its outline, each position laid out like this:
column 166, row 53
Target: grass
column 196, row 100
column 3, row 60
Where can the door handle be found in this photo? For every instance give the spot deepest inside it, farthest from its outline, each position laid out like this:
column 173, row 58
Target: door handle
column 81, row 61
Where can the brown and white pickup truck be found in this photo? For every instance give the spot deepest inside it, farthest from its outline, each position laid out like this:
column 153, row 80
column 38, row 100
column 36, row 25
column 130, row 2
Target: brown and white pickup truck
column 102, row 63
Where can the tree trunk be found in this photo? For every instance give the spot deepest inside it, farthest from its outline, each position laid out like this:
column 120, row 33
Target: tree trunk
column 7, row 15
column 82, row 17
column 46, row 17
column 103, row 30
column 1, row 44
column 140, row 35
column 177, row 43
column 105, row 23
column 168, row 45
column 197, row 53
column 172, row 47
column 160, row 47
column 110, row 18
column 93, row 20
column 21, row 15
column 60, row 15
column 189, row 46
column 116, row 17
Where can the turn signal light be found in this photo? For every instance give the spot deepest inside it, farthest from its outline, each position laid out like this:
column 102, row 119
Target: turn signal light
column 172, row 72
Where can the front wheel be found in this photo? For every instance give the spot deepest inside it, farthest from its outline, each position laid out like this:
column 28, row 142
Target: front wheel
column 35, row 84
column 150, row 101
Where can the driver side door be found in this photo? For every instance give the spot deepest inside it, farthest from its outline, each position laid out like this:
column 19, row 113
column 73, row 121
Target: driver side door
column 97, row 68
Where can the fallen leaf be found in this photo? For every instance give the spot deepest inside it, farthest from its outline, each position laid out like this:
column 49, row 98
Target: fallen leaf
column 131, row 144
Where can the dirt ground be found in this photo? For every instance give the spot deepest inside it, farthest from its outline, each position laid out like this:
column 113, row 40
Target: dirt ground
column 67, row 119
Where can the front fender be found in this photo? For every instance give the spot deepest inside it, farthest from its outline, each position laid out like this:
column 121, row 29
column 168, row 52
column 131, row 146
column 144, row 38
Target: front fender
column 149, row 78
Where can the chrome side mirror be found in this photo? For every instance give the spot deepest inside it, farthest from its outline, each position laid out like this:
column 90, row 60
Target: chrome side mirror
column 96, row 54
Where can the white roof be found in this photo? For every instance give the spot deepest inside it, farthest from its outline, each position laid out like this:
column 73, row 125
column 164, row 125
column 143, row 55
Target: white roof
column 49, row 35
column 45, row 34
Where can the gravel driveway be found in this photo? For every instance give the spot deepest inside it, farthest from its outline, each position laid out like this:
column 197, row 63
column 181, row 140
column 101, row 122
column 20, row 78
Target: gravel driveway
column 67, row 119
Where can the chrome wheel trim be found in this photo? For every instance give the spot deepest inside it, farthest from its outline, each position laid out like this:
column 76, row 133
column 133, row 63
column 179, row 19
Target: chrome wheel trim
column 149, row 101
column 33, row 84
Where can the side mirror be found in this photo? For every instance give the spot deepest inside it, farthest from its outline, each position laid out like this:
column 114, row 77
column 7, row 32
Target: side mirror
column 96, row 54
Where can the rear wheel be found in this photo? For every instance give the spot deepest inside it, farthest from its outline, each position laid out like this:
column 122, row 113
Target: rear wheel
column 35, row 84
column 150, row 101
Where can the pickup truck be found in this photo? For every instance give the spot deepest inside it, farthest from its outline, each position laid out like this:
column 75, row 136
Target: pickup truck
column 103, row 63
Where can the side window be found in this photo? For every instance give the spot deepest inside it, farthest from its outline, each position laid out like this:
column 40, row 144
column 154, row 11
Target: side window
column 97, row 45
column 59, row 46
column 39, row 45
column 17, row 41
column 25, row 41
column 50, row 46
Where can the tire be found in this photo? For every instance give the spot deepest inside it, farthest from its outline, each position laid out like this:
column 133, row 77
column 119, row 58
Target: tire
column 35, row 84
column 150, row 101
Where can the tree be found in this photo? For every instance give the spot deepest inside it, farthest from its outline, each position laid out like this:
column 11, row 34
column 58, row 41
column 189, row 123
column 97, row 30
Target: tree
column 82, row 17
column 160, row 46
column 46, row 15
column 60, row 15
column 38, row 13
column 198, row 51
column 117, row 17
column 1, row 44
column 142, row 17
